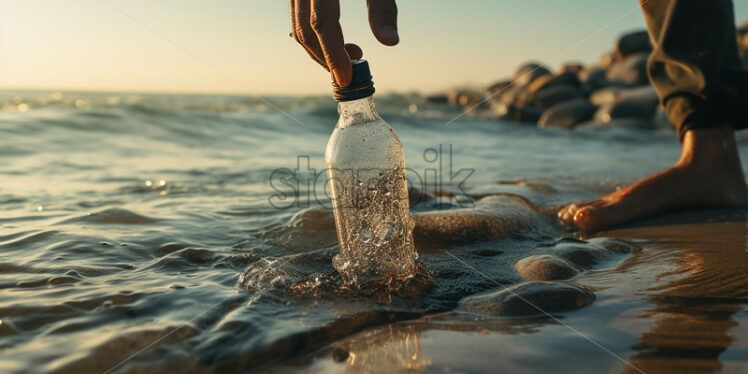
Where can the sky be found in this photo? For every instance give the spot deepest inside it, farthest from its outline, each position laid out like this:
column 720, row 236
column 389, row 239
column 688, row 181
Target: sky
column 243, row 46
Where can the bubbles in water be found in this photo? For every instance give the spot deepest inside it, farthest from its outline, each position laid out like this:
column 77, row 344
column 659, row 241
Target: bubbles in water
column 374, row 226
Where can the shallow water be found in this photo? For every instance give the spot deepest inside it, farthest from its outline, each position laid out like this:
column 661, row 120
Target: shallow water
column 128, row 221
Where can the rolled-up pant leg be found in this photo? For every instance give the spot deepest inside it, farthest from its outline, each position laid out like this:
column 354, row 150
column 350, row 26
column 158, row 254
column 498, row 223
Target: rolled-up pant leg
column 695, row 66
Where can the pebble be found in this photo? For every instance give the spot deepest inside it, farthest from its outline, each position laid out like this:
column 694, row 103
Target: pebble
column 582, row 255
column 528, row 299
column 545, row 267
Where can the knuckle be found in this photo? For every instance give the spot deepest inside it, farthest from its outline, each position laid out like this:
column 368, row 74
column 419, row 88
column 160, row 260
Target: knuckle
column 307, row 37
column 298, row 34
column 318, row 22
column 298, row 38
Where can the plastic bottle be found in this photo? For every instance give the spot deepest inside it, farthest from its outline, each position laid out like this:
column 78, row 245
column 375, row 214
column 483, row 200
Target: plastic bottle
column 366, row 173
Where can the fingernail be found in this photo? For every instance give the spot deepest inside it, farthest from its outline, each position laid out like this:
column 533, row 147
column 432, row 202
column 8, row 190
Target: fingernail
column 390, row 32
column 338, row 78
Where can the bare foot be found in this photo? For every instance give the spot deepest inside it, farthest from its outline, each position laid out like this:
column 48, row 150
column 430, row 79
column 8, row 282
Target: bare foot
column 708, row 174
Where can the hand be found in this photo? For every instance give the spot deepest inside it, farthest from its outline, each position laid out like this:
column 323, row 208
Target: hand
column 316, row 27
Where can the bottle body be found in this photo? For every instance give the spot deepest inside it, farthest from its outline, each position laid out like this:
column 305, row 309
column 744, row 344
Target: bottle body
column 366, row 173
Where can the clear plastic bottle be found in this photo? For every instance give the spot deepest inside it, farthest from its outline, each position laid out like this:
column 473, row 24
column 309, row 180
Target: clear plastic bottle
column 366, row 173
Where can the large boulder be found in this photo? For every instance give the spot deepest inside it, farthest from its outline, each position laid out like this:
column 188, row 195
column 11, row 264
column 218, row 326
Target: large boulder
column 542, row 86
column 575, row 67
column 438, row 99
column 624, row 109
column 496, row 91
column 593, row 79
column 467, row 98
column 554, row 95
column 629, row 71
column 634, row 42
column 499, row 87
column 529, row 72
column 511, row 95
column 521, row 114
column 568, row 78
column 529, row 298
column 607, row 59
column 568, row 114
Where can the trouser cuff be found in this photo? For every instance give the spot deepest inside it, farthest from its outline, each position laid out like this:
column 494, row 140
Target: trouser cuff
column 690, row 112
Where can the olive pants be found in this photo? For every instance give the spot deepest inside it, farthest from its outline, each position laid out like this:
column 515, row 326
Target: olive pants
column 695, row 66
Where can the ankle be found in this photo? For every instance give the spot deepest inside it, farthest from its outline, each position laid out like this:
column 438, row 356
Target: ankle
column 705, row 147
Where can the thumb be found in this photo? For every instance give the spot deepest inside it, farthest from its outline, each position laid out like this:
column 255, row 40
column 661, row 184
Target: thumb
column 383, row 20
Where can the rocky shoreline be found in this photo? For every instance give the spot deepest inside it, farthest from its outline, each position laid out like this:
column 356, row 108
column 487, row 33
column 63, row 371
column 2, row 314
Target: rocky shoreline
column 613, row 92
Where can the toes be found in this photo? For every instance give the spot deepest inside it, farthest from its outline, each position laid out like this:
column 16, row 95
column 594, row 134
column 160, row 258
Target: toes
column 595, row 217
column 566, row 214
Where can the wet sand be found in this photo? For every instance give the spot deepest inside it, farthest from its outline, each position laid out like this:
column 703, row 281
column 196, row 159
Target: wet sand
column 676, row 306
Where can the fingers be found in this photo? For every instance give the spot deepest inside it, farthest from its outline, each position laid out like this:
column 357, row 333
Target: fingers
column 301, row 11
column 383, row 21
column 354, row 51
column 324, row 22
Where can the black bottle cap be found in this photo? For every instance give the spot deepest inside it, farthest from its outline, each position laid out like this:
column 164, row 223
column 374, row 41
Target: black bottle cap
column 361, row 85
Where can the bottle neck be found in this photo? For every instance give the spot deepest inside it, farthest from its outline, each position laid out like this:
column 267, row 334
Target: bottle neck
column 356, row 112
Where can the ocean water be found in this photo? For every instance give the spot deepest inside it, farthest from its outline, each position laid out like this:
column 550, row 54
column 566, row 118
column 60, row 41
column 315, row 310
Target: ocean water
column 164, row 233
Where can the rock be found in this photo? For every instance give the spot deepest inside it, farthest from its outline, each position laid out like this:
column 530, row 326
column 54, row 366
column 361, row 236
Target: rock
column 567, row 114
column 492, row 218
column 574, row 67
column 644, row 95
column 510, row 96
column 466, row 98
column 529, row 72
column 496, row 93
column 438, row 99
column 605, row 96
column 529, row 298
column 634, row 42
column 629, row 71
column 582, row 255
column 545, row 82
column 521, row 114
column 606, row 60
column 545, row 267
column 592, row 79
column 554, row 95
column 624, row 109
column 499, row 87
